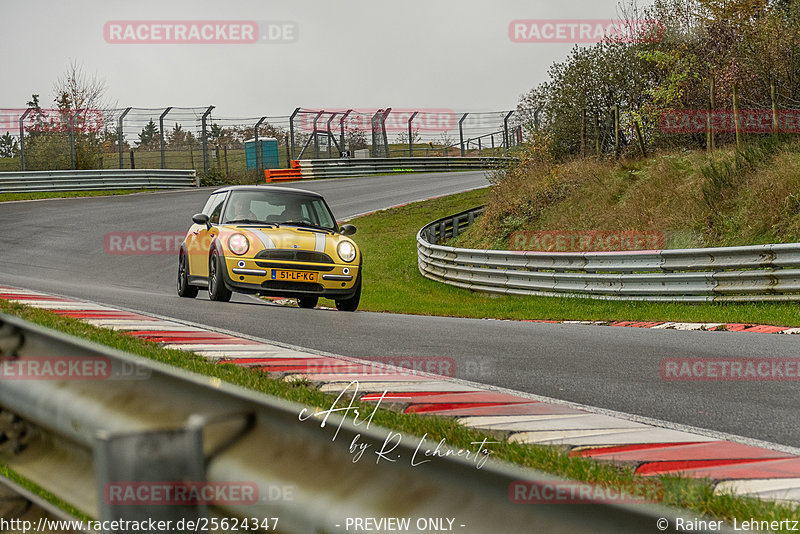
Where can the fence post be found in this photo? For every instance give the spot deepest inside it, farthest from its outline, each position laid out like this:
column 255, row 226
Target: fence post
column 204, row 124
column 411, row 135
column 341, row 126
column 774, row 107
column 616, row 131
column 314, row 133
column 121, row 136
column 713, row 108
column 736, row 117
column 461, row 133
column 163, row 144
column 330, row 135
column 583, row 133
column 505, row 132
column 22, row 137
column 384, row 137
column 72, row 140
column 257, row 148
column 291, row 132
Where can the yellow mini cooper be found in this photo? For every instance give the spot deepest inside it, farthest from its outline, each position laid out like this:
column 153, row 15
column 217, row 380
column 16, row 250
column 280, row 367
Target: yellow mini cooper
column 272, row 241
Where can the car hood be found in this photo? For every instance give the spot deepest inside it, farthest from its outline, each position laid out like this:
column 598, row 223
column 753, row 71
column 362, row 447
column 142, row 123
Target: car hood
column 283, row 238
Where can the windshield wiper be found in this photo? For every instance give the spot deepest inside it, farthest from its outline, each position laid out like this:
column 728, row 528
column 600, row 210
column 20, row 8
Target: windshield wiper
column 250, row 221
column 306, row 225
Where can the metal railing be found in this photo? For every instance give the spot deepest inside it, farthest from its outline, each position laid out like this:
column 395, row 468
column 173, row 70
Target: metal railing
column 147, row 421
column 331, row 168
column 752, row 273
column 96, row 180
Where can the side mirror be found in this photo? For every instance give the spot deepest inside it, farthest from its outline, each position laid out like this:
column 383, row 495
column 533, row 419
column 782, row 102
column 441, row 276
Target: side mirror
column 347, row 229
column 201, row 218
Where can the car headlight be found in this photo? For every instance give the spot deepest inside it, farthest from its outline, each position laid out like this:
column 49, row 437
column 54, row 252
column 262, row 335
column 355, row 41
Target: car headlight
column 346, row 251
column 238, row 244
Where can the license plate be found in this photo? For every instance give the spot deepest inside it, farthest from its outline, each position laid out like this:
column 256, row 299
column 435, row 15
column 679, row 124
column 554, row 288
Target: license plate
column 294, row 276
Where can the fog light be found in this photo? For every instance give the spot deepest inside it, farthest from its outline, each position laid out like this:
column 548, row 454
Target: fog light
column 346, row 270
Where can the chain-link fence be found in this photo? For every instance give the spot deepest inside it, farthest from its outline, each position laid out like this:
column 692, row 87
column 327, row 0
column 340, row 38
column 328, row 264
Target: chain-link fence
column 237, row 150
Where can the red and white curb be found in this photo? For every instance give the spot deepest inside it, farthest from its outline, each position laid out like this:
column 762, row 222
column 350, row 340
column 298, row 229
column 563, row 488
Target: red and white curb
column 737, row 465
column 664, row 325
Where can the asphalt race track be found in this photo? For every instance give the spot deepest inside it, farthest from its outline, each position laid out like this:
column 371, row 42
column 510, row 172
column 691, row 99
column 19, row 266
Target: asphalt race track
column 58, row 246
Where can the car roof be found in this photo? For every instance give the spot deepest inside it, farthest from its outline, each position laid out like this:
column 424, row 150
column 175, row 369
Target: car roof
column 264, row 188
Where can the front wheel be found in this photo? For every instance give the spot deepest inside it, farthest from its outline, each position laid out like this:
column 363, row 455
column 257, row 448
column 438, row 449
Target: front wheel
column 184, row 289
column 351, row 304
column 307, row 302
column 217, row 290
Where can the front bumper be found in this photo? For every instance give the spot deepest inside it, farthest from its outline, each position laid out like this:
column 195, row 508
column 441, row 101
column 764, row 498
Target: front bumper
column 247, row 275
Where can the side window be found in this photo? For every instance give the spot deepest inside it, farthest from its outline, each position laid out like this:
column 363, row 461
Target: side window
column 214, row 208
column 210, row 203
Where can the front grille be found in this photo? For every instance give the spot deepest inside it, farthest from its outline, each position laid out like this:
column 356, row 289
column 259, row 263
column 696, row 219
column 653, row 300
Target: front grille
column 295, row 266
column 294, row 255
column 292, row 286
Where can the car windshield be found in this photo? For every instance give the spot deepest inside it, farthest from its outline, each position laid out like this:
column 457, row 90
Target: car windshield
column 278, row 208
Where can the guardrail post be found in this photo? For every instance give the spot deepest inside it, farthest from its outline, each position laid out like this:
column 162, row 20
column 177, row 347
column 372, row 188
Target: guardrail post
column 291, row 133
column 121, row 137
column 461, row 133
column 72, row 140
column 411, row 136
column 164, row 457
column 204, row 125
column 341, row 126
column 257, row 148
column 506, row 140
column 22, row 137
column 163, row 144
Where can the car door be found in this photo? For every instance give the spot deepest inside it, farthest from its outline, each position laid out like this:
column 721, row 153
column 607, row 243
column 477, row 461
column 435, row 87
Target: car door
column 200, row 236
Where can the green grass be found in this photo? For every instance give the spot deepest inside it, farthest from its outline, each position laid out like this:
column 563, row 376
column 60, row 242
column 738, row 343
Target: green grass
column 694, row 495
column 392, row 282
column 7, row 197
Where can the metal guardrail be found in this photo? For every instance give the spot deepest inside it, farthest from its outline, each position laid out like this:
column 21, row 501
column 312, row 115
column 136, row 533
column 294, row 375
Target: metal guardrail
column 752, row 273
column 96, row 180
column 330, row 168
column 149, row 422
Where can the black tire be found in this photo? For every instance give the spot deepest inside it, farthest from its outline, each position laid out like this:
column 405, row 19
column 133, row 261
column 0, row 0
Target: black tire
column 307, row 302
column 351, row 304
column 184, row 289
column 217, row 290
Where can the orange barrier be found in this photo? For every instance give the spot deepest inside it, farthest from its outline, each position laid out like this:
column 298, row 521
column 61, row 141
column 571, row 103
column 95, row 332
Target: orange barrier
column 281, row 175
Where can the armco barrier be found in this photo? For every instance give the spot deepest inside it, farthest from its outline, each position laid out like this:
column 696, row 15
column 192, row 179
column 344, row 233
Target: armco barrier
column 752, row 273
column 96, row 180
column 331, row 168
column 155, row 422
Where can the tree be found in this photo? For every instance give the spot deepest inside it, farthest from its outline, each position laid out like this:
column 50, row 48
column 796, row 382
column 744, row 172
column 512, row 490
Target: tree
column 9, row 147
column 180, row 139
column 149, row 136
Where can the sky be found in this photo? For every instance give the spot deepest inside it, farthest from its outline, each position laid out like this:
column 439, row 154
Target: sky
column 424, row 54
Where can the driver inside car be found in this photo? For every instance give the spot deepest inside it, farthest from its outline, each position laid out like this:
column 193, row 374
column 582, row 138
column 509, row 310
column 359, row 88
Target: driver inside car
column 241, row 210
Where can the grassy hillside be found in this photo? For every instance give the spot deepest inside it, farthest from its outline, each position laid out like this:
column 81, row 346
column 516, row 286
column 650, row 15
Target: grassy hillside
column 695, row 199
